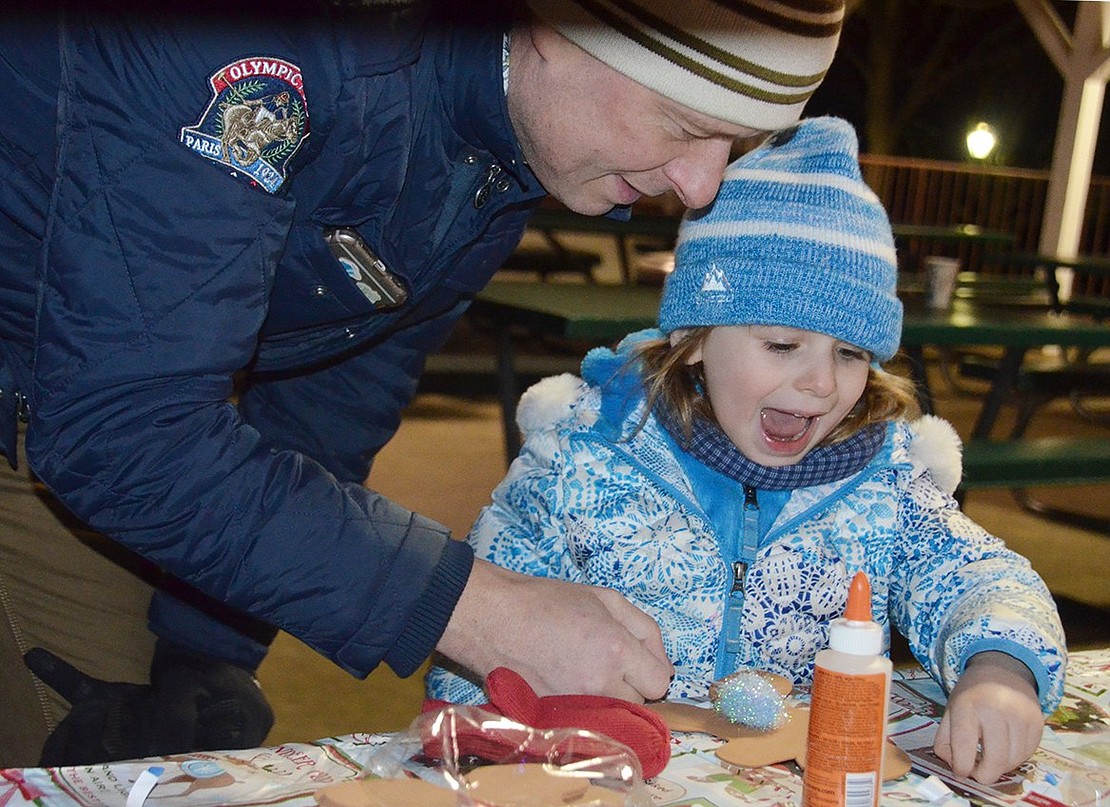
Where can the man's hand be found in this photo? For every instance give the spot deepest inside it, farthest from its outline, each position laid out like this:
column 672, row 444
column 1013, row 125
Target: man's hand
column 193, row 703
column 993, row 722
column 563, row 638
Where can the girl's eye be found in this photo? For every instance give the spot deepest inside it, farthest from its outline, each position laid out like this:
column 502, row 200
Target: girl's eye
column 780, row 347
column 853, row 354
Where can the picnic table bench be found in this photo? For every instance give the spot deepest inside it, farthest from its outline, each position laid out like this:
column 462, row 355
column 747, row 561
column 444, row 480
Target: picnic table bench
column 1036, row 461
column 1026, row 462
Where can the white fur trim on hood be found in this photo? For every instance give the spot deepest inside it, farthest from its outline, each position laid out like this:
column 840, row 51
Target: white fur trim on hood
column 547, row 401
column 937, row 446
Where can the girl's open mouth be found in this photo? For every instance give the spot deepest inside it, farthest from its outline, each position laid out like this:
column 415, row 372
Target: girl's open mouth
column 785, row 428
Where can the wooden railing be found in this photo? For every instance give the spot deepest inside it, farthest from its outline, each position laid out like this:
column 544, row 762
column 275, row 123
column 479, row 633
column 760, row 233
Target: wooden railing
column 1009, row 200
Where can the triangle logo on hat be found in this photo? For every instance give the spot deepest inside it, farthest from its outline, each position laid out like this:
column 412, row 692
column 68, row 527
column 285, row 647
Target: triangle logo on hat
column 714, row 280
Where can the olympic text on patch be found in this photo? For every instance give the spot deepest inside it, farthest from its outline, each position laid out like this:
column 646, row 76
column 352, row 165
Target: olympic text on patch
column 256, row 120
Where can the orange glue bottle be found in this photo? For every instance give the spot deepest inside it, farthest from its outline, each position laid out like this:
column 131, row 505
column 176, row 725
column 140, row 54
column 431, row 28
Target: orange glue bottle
column 848, row 710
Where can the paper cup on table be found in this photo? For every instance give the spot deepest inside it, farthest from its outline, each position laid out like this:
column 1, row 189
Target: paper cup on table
column 940, row 280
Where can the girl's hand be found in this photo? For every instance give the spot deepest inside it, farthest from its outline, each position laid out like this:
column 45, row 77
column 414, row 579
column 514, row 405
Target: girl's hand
column 993, row 722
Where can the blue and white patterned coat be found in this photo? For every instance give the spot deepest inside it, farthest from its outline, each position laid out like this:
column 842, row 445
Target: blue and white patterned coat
column 594, row 499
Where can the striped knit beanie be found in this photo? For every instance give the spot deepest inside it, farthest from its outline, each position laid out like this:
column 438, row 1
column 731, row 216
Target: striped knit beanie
column 795, row 237
column 754, row 63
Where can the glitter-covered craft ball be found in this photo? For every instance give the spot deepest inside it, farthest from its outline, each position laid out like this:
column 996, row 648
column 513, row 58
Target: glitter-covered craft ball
column 749, row 699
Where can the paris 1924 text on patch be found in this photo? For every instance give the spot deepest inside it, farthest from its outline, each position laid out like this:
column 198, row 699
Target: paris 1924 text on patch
column 256, row 120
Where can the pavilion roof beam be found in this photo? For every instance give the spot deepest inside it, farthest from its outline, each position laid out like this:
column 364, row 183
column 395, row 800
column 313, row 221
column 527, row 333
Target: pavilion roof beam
column 1083, row 58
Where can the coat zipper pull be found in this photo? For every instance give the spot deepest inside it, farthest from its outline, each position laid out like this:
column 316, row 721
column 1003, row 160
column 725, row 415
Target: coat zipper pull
column 739, row 571
column 493, row 182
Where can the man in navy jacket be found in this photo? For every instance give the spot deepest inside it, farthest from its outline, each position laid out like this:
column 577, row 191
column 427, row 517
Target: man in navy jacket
column 227, row 243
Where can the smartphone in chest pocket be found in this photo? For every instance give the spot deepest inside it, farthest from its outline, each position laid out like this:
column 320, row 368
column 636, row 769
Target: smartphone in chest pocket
column 367, row 270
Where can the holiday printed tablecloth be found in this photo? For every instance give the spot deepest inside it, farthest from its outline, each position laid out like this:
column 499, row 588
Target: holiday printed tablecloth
column 1072, row 766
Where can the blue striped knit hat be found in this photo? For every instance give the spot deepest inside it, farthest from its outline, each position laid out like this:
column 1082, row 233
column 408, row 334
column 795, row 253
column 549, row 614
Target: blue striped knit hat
column 795, row 237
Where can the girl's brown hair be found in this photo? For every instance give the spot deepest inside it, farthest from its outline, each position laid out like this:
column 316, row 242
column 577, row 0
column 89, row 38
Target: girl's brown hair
column 669, row 379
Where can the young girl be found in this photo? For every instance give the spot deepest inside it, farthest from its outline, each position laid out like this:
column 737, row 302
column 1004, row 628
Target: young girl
column 731, row 471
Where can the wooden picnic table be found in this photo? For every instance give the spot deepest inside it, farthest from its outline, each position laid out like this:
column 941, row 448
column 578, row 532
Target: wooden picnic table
column 1089, row 284
column 665, row 226
column 662, row 227
column 970, row 243
column 952, row 234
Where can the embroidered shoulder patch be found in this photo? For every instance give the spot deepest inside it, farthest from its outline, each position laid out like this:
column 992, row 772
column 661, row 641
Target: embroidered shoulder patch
column 256, row 120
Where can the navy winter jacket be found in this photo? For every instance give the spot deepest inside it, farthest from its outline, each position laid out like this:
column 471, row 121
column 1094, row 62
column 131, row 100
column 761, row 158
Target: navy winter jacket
column 167, row 186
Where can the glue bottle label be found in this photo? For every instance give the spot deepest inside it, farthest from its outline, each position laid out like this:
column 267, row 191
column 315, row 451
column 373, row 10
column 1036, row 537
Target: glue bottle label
column 846, row 734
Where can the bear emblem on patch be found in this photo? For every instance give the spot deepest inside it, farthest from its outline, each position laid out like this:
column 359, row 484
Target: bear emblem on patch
column 256, row 120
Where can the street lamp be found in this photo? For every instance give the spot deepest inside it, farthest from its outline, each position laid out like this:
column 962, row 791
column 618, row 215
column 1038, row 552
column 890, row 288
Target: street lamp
column 980, row 141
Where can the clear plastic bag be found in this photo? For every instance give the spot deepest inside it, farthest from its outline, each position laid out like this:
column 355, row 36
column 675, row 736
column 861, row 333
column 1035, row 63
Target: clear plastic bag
column 492, row 761
column 1086, row 786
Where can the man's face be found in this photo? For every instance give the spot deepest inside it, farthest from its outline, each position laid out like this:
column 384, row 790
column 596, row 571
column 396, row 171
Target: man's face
column 597, row 139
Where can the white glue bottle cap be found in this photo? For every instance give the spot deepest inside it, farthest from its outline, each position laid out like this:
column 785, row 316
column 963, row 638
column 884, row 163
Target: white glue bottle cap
column 855, row 633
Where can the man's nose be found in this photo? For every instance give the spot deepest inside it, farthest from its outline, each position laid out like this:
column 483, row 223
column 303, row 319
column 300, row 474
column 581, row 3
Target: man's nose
column 696, row 175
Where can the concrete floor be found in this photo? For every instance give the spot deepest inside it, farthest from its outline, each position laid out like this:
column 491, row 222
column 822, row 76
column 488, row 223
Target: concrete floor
column 448, row 456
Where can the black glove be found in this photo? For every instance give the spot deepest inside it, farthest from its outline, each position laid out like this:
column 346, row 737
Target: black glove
column 192, row 703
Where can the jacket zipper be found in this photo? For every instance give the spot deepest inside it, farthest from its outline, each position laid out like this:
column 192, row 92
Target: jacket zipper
column 742, row 555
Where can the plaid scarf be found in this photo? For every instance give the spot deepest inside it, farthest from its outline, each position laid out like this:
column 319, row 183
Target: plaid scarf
column 711, row 446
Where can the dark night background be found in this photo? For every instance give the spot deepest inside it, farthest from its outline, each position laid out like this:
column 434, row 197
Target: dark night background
column 915, row 75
